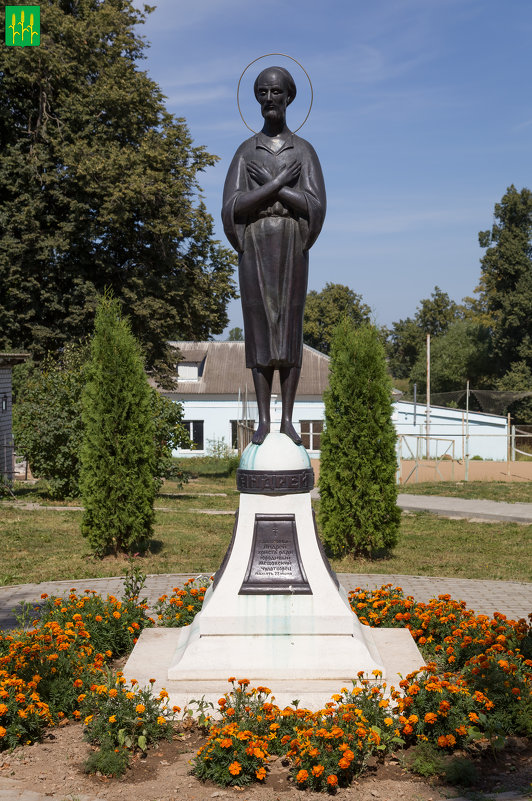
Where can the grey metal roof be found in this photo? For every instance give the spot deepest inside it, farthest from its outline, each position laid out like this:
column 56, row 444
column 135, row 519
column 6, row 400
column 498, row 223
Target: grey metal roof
column 9, row 359
column 225, row 372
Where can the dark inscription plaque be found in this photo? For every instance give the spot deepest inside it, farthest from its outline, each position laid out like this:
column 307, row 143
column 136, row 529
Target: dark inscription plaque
column 274, row 566
column 275, row 482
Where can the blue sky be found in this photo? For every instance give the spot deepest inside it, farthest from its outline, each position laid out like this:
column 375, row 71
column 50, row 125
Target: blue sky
column 422, row 117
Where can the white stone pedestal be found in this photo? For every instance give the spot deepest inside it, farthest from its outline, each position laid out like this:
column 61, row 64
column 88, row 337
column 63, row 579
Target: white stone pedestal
column 282, row 636
column 275, row 614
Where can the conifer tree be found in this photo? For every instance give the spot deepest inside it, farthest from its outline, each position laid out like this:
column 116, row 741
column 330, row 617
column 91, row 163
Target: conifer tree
column 358, row 511
column 118, row 450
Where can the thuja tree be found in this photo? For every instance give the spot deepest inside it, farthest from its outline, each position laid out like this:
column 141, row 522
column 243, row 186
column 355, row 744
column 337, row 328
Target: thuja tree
column 118, row 450
column 358, row 510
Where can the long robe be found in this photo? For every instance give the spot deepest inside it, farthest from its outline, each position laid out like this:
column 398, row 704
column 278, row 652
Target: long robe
column 273, row 245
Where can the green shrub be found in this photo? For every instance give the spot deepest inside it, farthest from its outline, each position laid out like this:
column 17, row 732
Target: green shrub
column 461, row 771
column 358, row 510
column 47, row 418
column 109, row 761
column 425, row 760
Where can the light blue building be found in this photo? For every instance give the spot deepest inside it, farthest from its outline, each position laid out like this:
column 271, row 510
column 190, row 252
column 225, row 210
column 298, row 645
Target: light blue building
column 217, row 394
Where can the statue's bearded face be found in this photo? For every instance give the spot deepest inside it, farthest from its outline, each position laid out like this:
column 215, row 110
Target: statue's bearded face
column 272, row 94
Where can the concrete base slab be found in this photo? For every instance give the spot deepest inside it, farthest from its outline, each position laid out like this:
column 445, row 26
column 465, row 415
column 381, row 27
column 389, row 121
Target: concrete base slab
column 153, row 654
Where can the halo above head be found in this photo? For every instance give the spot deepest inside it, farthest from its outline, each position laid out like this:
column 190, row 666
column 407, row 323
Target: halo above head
column 267, row 55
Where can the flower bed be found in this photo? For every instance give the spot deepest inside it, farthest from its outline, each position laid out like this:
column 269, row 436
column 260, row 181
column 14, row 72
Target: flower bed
column 477, row 683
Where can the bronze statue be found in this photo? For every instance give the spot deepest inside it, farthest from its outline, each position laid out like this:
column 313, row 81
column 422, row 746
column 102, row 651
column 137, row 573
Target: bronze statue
column 273, row 210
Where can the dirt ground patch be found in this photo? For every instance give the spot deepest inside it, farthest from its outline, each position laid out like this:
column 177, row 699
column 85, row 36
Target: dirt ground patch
column 54, row 768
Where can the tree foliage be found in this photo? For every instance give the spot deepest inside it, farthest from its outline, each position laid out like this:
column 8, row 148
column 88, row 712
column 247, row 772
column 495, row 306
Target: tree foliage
column 48, row 427
column 461, row 354
column 325, row 309
column 236, row 335
column 99, row 188
column 407, row 338
column 358, row 509
column 47, row 418
column 506, row 278
column 118, row 449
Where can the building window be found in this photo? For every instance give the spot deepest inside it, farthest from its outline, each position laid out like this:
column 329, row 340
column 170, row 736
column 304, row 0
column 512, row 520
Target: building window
column 311, row 434
column 194, row 429
column 188, row 371
column 4, row 403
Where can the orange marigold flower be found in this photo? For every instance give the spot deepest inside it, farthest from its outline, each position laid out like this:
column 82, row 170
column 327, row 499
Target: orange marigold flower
column 112, row 719
column 3, row 731
column 140, row 708
column 116, row 615
column 3, row 709
column 235, row 768
column 332, row 780
column 161, row 720
column 302, row 776
column 113, row 692
column 260, row 774
column 431, row 717
column 317, row 770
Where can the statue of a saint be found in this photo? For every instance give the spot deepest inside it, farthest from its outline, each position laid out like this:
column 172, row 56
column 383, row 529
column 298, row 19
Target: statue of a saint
column 273, row 209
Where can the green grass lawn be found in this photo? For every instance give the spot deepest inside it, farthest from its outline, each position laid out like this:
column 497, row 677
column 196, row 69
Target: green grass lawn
column 43, row 544
column 509, row 491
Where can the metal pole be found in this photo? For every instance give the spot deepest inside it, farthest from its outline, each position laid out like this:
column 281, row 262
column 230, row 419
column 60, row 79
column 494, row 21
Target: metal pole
column 509, row 445
column 428, row 397
column 467, row 435
column 513, row 443
column 415, row 403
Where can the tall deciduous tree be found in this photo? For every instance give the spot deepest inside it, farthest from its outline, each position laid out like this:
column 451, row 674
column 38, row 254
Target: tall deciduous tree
column 407, row 338
column 506, row 278
column 118, row 452
column 99, row 188
column 358, row 509
column 325, row 309
column 459, row 355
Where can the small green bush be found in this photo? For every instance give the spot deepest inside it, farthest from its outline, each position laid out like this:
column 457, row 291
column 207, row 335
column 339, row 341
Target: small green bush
column 461, row 771
column 425, row 760
column 108, row 761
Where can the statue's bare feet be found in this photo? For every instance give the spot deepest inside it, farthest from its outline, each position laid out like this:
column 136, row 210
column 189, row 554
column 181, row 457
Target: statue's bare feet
column 261, row 433
column 288, row 429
